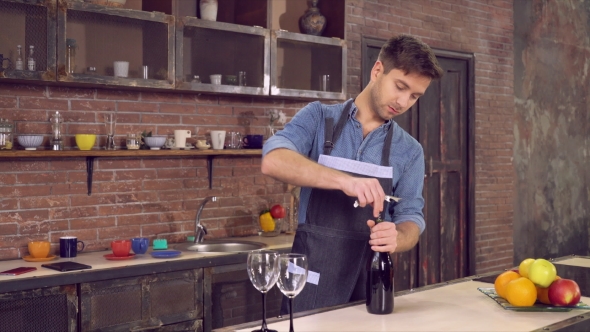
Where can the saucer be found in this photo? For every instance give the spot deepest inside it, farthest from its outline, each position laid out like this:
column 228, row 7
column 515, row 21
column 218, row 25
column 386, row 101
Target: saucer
column 166, row 254
column 44, row 259
column 112, row 257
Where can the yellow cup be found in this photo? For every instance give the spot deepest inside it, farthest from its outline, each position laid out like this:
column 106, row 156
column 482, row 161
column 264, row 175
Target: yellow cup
column 85, row 141
column 39, row 249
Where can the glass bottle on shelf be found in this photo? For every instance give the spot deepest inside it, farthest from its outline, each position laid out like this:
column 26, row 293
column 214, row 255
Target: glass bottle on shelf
column 19, row 59
column 6, row 127
column 70, row 55
column 31, row 63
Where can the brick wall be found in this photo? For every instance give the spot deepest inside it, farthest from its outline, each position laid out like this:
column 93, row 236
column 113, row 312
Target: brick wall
column 43, row 199
column 484, row 28
column 46, row 198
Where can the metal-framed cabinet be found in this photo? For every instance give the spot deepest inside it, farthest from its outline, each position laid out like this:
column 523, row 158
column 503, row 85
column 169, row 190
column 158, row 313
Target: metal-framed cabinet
column 205, row 48
column 300, row 64
column 43, row 309
column 101, row 36
column 171, row 301
column 28, row 23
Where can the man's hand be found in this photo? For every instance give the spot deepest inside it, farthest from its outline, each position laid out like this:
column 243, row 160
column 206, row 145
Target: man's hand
column 383, row 236
column 367, row 191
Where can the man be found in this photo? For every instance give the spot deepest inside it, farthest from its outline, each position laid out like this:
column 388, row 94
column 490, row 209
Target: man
column 354, row 151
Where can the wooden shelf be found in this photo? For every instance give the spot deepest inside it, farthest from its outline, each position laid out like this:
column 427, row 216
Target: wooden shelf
column 126, row 153
column 91, row 154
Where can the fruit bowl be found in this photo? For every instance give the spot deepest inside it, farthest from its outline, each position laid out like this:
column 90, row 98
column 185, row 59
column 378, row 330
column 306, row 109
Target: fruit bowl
column 30, row 142
column 155, row 142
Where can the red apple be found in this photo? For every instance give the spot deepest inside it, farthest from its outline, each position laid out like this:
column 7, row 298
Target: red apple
column 564, row 292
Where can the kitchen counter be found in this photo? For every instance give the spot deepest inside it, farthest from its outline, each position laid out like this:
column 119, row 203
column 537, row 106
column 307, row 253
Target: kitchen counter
column 453, row 306
column 103, row 269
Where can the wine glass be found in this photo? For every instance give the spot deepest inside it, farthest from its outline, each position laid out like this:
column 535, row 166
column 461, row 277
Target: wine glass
column 292, row 278
column 263, row 273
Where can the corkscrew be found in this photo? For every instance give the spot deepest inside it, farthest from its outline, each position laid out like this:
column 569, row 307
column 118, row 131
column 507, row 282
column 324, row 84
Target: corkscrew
column 388, row 198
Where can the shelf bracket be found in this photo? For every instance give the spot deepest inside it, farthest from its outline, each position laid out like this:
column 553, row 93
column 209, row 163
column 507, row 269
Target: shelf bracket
column 89, row 171
column 210, row 170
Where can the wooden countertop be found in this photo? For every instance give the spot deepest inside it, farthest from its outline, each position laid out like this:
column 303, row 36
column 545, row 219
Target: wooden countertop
column 457, row 306
column 142, row 264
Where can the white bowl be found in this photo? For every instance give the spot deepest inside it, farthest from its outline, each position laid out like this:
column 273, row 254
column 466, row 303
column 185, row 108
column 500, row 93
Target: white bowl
column 155, row 142
column 30, row 142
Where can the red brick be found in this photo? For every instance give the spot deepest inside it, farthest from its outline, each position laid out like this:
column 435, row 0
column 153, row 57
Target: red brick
column 178, row 108
column 119, row 232
column 38, row 178
column 162, row 184
column 25, row 191
column 137, row 107
column 95, row 199
column 7, row 102
column 160, row 119
column 110, row 210
column 23, row 216
column 92, row 105
column 201, row 120
column 43, row 202
column 93, row 223
column 75, row 212
column 8, row 229
column 161, row 97
column 138, row 219
column 84, row 235
column 43, row 103
column 71, row 93
column 10, row 89
column 117, row 94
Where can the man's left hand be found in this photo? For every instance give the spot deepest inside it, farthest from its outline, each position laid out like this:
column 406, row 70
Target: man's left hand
column 383, row 236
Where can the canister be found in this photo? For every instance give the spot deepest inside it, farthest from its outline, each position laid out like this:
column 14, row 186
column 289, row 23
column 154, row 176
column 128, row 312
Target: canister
column 6, row 130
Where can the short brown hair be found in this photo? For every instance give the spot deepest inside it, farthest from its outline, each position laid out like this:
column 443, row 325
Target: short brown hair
column 410, row 55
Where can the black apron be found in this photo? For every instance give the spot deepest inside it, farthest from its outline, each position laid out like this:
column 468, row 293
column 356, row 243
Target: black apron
column 335, row 236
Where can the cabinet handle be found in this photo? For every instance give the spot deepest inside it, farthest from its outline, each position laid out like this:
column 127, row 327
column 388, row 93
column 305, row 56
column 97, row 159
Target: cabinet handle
column 430, row 167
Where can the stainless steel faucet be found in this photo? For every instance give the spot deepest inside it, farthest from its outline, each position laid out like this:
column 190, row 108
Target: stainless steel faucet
column 200, row 230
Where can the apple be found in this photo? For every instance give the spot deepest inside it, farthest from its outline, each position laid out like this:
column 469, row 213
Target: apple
column 542, row 272
column 523, row 268
column 564, row 292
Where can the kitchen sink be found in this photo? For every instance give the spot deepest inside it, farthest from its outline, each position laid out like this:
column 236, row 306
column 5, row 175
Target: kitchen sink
column 221, row 246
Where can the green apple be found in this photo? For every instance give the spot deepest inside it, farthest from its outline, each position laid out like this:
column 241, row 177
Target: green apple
column 523, row 268
column 542, row 272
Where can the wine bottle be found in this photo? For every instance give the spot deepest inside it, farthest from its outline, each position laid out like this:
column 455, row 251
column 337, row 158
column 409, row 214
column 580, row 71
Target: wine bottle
column 379, row 285
column 19, row 59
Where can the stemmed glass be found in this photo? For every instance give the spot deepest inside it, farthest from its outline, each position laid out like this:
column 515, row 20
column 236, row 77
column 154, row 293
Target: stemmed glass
column 263, row 273
column 292, row 278
column 110, row 121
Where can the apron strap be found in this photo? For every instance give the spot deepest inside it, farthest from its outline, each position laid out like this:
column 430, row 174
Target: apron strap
column 332, row 133
column 387, row 145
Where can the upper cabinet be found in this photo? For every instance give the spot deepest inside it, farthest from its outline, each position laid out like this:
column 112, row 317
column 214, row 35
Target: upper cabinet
column 31, row 25
column 115, row 46
column 248, row 47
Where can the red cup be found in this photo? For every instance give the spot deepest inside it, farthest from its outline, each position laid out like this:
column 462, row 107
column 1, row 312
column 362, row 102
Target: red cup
column 121, row 248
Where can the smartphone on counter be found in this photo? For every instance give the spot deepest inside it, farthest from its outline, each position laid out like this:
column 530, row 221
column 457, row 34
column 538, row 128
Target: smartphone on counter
column 17, row 271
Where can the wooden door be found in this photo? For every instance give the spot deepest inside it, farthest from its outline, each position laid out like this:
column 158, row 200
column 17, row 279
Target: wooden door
column 441, row 120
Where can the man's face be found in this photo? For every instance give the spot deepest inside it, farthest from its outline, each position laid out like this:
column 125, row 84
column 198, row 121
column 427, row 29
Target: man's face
column 394, row 93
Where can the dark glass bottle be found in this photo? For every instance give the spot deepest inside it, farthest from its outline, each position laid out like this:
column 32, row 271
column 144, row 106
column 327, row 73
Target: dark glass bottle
column 379, row 283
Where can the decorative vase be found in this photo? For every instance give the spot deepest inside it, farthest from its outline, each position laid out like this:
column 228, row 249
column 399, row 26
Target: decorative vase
column 312, row 22
column 208, row 10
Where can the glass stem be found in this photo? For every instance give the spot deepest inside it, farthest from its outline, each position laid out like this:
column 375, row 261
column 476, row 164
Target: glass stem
column 263, row 312
column 291, row 314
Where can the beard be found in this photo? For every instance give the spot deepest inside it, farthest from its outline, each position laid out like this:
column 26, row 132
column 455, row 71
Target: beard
column 379, row 110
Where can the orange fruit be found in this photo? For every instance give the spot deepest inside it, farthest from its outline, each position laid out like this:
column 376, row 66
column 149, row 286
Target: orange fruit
column 502, row 280
column 521, row 292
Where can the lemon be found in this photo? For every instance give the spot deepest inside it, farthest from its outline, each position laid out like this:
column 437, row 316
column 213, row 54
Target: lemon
column 267, row 223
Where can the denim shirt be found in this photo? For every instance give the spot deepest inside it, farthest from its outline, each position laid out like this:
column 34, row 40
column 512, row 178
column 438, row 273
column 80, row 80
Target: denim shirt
column 305, row 134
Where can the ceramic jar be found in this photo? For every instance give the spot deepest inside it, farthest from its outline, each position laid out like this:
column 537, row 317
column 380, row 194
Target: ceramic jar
column 313, row 22
column 208, row 10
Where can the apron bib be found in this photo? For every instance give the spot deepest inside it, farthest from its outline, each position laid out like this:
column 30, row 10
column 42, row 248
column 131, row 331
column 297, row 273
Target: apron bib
column 335, row 237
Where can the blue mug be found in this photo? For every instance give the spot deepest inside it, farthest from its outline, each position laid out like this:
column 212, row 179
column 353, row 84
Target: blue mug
column 139, row 245
column 252, row 141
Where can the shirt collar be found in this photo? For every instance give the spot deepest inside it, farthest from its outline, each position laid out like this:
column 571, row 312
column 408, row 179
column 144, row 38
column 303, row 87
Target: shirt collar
column 352, row 115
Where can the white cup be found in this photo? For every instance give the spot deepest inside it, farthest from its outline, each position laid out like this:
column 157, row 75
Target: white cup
column 215, row 79
column 180, row 137
column 121, row 68
column 217, row 139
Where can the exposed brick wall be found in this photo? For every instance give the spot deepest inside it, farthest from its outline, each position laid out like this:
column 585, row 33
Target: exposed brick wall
column 43, row 199
column 484, row 28
column 153, row 197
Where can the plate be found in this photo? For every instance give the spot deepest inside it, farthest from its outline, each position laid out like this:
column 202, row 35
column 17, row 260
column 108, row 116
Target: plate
column 491, row 293
column 166, row 254
column 112, row 257
column 44, row 259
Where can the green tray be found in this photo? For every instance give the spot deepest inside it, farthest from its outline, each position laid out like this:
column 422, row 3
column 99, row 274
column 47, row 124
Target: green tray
column 491, row 293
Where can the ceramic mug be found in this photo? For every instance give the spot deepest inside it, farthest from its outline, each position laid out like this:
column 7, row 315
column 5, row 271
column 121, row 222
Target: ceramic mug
column 215, row 79
column 68, row 246
column 85, row 141
column 121, row 248
column 252, row 141
column 180, row 137
column 39, row 249
column 139, row 245
column 121, row 68
column 217, row 139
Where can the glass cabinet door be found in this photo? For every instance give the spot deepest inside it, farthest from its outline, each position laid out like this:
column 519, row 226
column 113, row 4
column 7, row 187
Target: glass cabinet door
column 307, row 66
column 32, row 25
column 222, row 57
column 115, row 46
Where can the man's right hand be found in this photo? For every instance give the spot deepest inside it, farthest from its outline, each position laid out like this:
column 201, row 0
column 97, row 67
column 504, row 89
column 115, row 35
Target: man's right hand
column 368, row 191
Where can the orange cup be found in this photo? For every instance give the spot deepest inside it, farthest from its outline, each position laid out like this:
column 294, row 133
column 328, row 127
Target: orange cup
column 39, row 249
column 121, row 248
